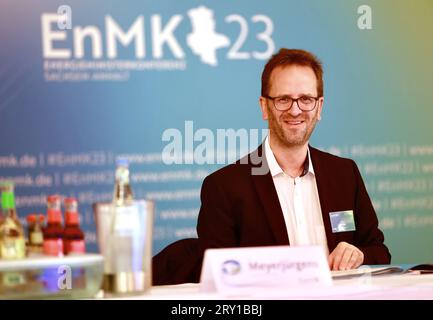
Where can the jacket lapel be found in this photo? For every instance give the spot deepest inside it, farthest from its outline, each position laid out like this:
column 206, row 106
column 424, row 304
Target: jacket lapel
column 269, row 198
column 325, row 194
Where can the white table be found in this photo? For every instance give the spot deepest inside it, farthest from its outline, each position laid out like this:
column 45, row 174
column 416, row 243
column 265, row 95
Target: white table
column 387, row 287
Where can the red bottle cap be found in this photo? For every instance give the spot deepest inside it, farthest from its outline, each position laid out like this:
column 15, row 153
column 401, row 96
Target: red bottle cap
column 54, row 201
column 31, row 218
column 71, row 204
column 70, row 200
column 53, row 198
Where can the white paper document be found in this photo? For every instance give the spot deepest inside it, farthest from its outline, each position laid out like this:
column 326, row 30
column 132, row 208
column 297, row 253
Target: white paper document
column 366, row 270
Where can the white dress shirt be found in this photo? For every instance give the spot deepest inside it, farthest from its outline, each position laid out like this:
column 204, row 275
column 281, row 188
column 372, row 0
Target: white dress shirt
column 299, row 200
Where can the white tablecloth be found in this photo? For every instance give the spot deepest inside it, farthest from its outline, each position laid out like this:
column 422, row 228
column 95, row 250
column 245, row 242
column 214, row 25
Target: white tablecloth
column 388, row 287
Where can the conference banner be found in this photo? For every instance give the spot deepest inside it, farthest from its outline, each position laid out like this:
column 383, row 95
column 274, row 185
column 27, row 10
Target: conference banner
column 173, row 86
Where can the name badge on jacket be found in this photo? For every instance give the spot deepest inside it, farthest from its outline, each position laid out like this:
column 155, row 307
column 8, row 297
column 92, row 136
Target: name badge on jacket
column 342, row 221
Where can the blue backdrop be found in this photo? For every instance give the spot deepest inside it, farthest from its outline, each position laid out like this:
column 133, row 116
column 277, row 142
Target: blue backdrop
column 82, row 83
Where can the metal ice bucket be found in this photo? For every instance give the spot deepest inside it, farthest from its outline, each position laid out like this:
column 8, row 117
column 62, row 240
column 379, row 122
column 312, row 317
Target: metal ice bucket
column 126, row 271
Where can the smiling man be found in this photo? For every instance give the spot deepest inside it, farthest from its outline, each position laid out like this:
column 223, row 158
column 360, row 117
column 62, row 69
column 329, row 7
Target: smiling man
column 294, row 201
column 303, row 197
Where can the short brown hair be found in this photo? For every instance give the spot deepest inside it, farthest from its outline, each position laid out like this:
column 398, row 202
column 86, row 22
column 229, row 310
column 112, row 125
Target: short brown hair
column 289, row 57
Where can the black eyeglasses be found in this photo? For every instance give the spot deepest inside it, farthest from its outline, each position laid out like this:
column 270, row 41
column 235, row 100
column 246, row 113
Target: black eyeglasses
column 283, row 103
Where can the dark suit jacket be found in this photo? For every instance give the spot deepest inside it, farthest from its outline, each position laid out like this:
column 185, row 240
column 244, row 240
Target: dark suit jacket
column 241, row 209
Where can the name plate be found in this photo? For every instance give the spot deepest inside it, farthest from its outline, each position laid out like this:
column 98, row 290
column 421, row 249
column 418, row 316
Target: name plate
column 240, row 270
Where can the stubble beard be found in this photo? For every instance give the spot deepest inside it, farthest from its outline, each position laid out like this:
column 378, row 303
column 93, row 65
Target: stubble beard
column 287, row 138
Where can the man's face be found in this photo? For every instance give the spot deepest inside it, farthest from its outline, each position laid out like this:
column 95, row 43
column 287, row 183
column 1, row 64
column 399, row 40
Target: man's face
column 292, row 127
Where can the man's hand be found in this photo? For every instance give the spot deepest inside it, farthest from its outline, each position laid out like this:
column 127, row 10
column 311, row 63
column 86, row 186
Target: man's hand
column 345, row 257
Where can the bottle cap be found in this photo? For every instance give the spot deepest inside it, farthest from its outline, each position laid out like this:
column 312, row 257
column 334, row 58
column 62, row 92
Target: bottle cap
column 6, row 186
column 124, row 162
column 71, row 204
column 53, row 198
column 54, row 201
column 31, row 218
column 70, row 200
